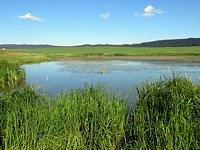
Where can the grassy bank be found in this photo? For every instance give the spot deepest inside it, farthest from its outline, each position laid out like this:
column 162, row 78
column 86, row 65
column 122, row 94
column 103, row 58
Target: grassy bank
column 83, row 119
column 21, row 56
column 10, row 75
column 166, row 116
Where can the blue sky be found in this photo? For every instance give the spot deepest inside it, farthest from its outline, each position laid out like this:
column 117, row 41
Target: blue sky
column 74, row 22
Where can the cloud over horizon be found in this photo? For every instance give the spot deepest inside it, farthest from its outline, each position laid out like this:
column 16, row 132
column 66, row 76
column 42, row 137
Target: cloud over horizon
column 149, row 11
column 31, row 17
column 105, row 15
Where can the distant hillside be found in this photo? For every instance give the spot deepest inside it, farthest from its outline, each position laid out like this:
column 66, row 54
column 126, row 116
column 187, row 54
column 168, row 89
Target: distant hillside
column 159, row 43
column 102, row 45
column 171, row 43
column 24, row 46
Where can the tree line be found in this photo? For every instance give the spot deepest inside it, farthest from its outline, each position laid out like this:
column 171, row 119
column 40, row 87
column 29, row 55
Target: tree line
column 171, row 43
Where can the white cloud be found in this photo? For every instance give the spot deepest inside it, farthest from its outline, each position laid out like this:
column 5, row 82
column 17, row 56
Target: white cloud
column 105, row 15
column 150, row 11
column 29, row 16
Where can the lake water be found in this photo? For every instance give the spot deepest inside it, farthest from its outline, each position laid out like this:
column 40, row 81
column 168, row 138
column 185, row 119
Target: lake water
column 120, row 76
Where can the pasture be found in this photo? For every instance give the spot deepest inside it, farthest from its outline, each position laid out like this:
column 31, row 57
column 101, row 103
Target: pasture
column 114, row 51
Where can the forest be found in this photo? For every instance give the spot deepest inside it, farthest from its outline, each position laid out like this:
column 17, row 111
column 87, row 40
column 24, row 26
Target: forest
column 171, row 43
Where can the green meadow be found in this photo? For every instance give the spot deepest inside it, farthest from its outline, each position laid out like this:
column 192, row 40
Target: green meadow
column 114, row 51
column 181, row 54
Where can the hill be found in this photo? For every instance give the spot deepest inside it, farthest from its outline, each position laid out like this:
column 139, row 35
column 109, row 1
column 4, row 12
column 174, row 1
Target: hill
column 159, row 43
column 171, row 43
column 25, row 46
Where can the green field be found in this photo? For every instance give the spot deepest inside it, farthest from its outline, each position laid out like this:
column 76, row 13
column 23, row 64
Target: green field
column 115, row 51
column 180, row 54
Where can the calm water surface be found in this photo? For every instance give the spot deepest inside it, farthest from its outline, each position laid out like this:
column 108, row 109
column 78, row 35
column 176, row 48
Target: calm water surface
column 120, row 76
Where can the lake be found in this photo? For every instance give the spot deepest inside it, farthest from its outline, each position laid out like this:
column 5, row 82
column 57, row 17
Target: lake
column 120, row 77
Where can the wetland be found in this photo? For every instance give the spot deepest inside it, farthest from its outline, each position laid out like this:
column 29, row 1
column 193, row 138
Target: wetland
column 119, row 76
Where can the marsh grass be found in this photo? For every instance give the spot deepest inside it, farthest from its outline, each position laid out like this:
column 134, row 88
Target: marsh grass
column 11, row 76
column 81, row 119
column 167, row 115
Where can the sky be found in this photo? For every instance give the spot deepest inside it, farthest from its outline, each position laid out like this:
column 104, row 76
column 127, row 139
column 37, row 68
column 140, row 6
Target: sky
column 76, row 22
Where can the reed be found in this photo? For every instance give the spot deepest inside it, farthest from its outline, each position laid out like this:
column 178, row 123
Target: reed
column 81, row 119
column 11, row 76
column 167, row 115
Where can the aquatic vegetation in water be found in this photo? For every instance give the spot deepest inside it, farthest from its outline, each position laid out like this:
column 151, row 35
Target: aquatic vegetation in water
column 101, row 72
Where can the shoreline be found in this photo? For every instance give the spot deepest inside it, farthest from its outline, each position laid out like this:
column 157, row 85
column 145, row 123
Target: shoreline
column 175, row 59
column 24, row 58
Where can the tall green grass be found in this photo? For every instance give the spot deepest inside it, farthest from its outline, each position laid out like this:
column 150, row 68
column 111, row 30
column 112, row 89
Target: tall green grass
column 82, row 119
column 167, row 116
column 10, row 75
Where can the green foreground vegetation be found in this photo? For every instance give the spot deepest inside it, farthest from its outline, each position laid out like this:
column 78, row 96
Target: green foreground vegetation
column 11, row 76
column 21, row 56
column 166, row 116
